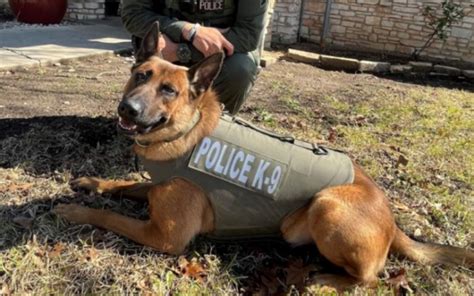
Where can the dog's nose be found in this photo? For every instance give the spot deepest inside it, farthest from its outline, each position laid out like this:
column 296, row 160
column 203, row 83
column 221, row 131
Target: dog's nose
column 130, row 109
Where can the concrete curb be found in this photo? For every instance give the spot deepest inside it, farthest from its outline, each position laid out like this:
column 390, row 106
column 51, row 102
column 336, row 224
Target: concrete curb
column 377, row 67
column 339, row 63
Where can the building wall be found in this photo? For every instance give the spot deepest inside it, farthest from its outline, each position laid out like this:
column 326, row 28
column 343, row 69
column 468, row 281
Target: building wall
column 85, row 9
column 4, row 5
column 78, row 9
column 390, row 26
column 267, row 38
column 286, row 19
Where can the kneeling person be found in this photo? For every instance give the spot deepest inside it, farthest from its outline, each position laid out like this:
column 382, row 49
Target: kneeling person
column 196, row 29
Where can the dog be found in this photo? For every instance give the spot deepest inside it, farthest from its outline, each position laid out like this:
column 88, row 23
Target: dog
column 351, row 224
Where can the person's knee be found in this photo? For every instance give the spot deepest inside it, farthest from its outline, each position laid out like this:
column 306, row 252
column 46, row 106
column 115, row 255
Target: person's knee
column 240, row 67
column 237, row 77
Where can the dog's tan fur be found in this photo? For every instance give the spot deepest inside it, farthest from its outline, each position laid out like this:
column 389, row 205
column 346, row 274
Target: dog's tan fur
column 351, row 225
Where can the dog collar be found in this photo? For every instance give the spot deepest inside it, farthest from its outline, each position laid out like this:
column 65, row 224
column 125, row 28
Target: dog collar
column 187, row 129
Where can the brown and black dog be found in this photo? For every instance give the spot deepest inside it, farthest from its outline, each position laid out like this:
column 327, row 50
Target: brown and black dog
column 165, row 97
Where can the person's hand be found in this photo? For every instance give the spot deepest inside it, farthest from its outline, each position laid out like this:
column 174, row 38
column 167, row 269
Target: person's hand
column 210, row 40
column 168, row 48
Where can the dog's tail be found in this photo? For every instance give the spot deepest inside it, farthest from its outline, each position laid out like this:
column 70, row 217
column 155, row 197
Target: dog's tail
column 430, row 253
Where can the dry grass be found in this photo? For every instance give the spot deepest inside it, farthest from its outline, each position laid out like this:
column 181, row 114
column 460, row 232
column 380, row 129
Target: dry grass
column 413, row 138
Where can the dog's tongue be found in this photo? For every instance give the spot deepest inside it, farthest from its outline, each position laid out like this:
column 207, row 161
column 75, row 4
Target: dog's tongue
column 127, row 125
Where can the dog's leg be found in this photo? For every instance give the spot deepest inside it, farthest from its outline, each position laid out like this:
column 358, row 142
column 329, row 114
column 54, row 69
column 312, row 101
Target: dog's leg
column 178, row 209
column 121, row 188
column 352, row 227
column 295, row 228
column 143, row 232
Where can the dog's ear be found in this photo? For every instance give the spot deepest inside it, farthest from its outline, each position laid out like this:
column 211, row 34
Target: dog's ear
column 150, row 44
column 202, row 74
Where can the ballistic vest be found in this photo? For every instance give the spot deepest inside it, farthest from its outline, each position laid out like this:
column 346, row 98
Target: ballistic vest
column 215, row 13
column 254, row 178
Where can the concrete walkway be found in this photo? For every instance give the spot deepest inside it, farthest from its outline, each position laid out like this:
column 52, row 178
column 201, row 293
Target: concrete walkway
column 36, row 46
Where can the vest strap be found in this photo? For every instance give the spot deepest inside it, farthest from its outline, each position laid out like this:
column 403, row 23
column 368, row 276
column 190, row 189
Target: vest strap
column 245, row 123
column 318, row 150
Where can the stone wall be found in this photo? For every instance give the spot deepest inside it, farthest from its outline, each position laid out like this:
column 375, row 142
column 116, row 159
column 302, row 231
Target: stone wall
column 85, row 9
column 77, row 9
column 267, row 41
column 286, row 20
column 389, row 26
column 313, row 19
column 4, row 5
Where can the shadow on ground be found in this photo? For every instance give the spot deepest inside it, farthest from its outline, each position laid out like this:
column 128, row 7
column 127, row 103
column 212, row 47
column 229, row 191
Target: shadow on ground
column 444, row 82
column 42, row 146
column 422, row 80
column 38, row 157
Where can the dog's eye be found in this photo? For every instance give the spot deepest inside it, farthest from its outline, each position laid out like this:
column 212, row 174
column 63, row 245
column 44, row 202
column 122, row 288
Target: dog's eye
column 141, row 77
column 167, row 90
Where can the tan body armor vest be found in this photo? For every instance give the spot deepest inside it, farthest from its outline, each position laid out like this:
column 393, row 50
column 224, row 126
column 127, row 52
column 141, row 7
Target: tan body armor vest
column 254, row 178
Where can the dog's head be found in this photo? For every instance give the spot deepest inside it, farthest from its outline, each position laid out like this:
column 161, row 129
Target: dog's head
column 159, row 95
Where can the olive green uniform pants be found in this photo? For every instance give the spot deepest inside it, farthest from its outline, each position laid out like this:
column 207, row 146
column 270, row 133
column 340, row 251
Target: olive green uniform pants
column 236, row 79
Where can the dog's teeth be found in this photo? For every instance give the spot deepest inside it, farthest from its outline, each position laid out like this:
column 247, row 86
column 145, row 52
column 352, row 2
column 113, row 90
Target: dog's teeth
column 125, row 125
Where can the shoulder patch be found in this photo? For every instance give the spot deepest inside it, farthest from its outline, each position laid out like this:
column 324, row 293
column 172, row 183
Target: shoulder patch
column 238, row 166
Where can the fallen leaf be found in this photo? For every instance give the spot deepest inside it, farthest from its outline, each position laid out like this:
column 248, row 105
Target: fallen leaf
column 402, row 160
column 192, row 269
column 332, row 135
column 91, row 255
column 395, row 148
column 400, row 206
column 297, row 273
column 301, row 124
column 56, row 251
column 399, row 282
column 144, row 285
column 272, row 281
column 13, row 187
column 360, row 118
column 24, row 222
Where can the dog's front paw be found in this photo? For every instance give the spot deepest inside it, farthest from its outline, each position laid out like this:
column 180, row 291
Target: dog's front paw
column 89, row 184
column 73, row 213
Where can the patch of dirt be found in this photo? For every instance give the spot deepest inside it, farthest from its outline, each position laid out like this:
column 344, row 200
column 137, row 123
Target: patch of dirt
column 72, row 88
